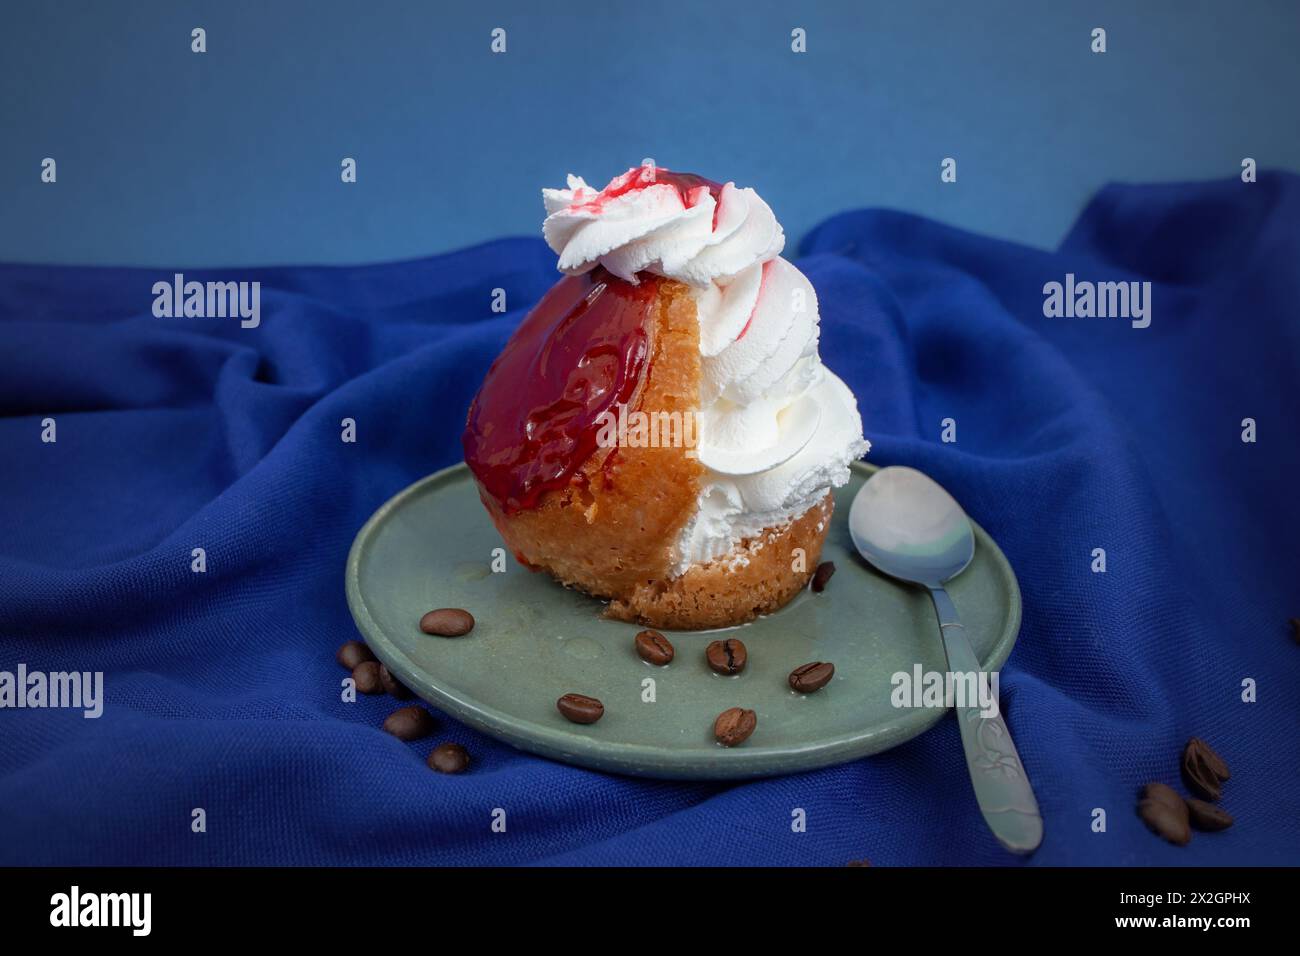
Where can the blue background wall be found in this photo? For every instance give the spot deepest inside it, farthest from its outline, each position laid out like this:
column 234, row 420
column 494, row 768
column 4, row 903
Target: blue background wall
column 232, row 157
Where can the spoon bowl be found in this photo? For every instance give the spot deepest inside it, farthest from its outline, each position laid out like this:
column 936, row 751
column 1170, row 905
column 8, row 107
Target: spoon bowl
column 907, row 526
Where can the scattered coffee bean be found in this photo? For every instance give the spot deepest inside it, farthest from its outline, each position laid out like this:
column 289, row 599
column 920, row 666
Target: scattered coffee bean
column 409, row 723
column 580, row 709
column 366, row 676
column 353, row 653
column 1295, row 629
column 1206, row 816
column 653, row 648
column 811, row 677
column 822, row 575
column 1200, row 781
column 1165, row 818
column 1163, row 794
column 447, row 622
column 727, row 657
column 734, row 726
column 1216, row 763
column 449, row 758
column 392, row 686
column 1203, row 770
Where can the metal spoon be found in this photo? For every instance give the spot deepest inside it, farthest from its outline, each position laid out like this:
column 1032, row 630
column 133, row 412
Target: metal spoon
column 911, row 529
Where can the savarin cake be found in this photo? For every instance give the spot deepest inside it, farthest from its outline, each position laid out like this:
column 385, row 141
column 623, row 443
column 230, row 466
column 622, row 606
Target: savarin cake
column 660, row 431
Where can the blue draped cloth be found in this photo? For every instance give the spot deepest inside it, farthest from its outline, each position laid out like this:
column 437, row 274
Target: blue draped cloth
column 221, row 691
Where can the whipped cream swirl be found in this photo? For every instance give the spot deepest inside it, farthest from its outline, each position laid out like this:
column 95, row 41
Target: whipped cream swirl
column 777, row 429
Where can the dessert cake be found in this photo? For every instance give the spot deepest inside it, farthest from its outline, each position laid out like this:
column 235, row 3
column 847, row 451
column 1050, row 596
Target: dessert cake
column 660, row 431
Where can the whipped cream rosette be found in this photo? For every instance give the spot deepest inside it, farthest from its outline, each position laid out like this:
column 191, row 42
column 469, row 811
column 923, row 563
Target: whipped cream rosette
column 776, row 427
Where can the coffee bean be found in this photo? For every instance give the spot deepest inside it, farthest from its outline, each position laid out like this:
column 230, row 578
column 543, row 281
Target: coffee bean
column 1203, row 770
column 734, row 726
column 367, row 677
column 1164, row 794
column 1206, row 816
column 447, row 622
column 858, row 863
column 1165, row 812
column 409, row 723
column 1166, row 820
column 392, row 686
column 811, row 677
column 1212, row 760
column 653, row 648
column 581, row 709
column 353, row 653
column 449, row 758
column 1295, row 629
column 822, row 575
column 726, row 657
column 1201, row 781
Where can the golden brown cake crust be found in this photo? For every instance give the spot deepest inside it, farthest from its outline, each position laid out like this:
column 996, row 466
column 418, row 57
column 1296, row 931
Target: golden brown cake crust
column 730, row 591
column 613, row 528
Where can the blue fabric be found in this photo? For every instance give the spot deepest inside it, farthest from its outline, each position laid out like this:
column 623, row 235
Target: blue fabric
column 1073, row 434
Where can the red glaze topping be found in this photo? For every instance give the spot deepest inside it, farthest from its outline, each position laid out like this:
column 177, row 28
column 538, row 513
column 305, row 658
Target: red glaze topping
column 641, row 177
column 583, row 350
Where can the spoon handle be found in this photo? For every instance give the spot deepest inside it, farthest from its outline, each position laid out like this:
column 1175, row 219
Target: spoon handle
column 1001, row 786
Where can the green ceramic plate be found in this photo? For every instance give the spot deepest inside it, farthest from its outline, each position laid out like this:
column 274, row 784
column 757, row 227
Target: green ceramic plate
column 431, row 546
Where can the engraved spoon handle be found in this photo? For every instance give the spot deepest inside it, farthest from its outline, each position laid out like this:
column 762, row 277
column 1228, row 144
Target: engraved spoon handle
column 1002, row 787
